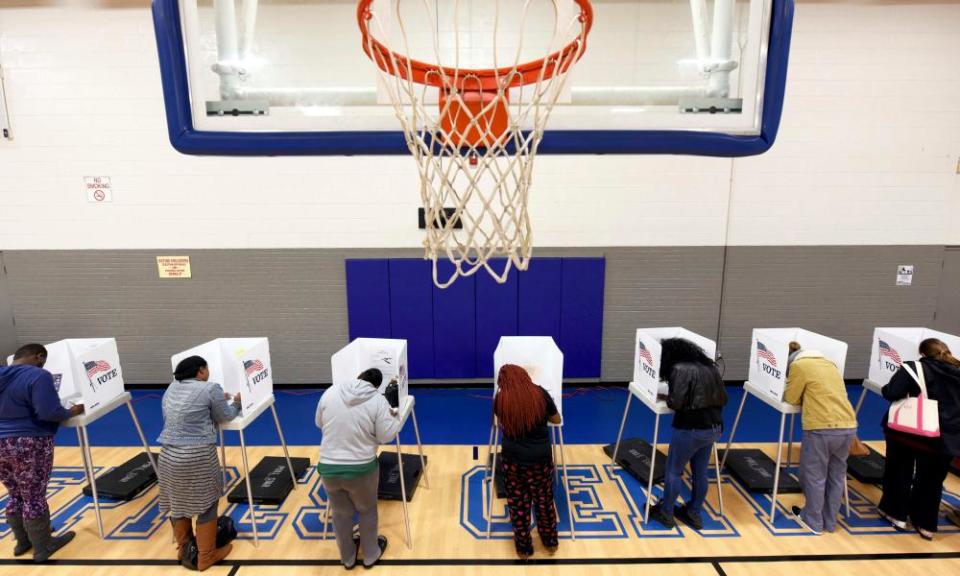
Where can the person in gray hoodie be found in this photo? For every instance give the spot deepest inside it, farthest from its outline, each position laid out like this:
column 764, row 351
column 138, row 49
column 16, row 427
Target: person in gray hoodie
column 355, row 419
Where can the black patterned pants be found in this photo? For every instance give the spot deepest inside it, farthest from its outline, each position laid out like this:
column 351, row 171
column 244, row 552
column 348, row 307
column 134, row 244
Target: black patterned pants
column 530, row 488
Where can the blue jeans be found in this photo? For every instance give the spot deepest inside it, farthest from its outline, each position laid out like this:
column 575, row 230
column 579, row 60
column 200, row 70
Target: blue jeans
column 693, row 446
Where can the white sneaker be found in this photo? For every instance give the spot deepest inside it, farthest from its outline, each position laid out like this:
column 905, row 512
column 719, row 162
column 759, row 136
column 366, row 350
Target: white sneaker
column 796, row 516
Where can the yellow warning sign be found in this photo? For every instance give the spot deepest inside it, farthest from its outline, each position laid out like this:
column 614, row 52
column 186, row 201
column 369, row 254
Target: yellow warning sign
column 173, row 266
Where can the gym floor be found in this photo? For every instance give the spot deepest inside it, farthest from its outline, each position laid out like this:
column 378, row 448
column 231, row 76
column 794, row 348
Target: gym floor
column 448, row 517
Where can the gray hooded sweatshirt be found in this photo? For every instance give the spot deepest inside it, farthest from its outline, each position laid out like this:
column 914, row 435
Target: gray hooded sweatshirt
column 355, row 420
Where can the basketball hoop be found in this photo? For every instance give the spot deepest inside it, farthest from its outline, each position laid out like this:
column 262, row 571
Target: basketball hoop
column 475, row 148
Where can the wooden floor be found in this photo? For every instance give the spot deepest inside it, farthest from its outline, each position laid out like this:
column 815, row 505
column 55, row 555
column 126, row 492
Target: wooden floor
column 448, row 521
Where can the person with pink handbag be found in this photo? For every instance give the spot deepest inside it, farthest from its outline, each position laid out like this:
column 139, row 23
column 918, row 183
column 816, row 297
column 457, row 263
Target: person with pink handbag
column 923, row 436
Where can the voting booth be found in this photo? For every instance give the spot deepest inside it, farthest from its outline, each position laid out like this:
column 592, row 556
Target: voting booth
column 769, row 357
column 542, row 359
column 399, row 474
column 890, row 348
column 87, row 371
column 242, row 365
column 643, row 461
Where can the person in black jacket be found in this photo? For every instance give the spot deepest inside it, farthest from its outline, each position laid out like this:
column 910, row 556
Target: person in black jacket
column 697, row 396
column 916, row 466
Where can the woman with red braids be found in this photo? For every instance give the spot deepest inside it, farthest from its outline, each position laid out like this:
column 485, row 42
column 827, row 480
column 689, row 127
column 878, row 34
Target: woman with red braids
column 523, row 410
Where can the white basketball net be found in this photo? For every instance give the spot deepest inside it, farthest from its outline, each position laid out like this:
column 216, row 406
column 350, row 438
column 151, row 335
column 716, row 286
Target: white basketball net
column 466, row 159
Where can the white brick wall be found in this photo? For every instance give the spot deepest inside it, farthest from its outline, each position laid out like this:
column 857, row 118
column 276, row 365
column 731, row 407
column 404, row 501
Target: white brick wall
column 867, row 152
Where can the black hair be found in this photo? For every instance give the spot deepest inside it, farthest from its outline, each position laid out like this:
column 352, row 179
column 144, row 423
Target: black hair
column 372, row 375
column 676, row 350
column 28, row 350
column 189, row 368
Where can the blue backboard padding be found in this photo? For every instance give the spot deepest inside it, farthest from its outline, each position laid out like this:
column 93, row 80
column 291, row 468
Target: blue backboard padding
column 411, row 312
column 454, row 326
column 368, row 297
column 497, row 306
column 540, row 291
column 186, row 139
column 581, row 316
column 453, row 332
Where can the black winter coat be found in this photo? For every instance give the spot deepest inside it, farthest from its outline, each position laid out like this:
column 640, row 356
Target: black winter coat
column 697, row 395
column 943, row 385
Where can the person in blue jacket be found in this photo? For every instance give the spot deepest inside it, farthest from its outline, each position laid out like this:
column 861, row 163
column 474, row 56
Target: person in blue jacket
column 30, row 413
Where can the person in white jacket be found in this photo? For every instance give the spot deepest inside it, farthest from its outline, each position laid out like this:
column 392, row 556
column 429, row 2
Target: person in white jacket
column 355, row 419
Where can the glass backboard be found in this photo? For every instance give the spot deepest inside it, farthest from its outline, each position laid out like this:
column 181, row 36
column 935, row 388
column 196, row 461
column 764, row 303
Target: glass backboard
column 291, row 76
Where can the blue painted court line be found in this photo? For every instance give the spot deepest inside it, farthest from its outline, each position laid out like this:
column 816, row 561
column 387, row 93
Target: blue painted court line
column 462, row 416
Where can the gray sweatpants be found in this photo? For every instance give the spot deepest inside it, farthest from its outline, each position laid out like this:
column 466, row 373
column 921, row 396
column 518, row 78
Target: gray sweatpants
column 823, row 468
column 348, row 497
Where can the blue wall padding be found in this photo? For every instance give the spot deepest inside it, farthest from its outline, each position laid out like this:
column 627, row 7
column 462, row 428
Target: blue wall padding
column 540, row 287
column 368, row 297
column 454, row 326
column 453, row 332
column 581, row 316
column 497, row 315
column 411, row 312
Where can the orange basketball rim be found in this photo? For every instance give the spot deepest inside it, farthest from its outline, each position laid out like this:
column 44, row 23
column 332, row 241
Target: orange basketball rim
column 474, row 103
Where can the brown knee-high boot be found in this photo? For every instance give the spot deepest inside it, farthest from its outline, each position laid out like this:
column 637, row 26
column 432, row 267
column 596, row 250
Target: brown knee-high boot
column 209, row 554
column 182, row 533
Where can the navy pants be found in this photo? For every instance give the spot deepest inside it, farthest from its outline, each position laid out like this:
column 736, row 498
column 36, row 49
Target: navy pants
column 693, row 446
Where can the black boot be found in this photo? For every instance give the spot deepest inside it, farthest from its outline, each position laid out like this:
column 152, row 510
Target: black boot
column 42, row 538
column 20, row 533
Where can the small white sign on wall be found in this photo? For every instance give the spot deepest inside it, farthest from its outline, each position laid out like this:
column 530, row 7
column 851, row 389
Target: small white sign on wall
column 905, row 275
column 98, row 189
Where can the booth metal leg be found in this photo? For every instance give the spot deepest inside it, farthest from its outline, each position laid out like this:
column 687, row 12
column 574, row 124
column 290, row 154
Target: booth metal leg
column 326, row 514
column 423, row 461
column 491, row 444
column 88, row 466
column 776, row 472
column 623, row 422
column 283, row 442
column 793, row 425
column 566, row 485
column 143, row 439
column 863, row 396
column 492, row 477
column 553, row 454
column 846, row 495
column 223, row 461
column 736, row 422
column 246, row 475
column 493, row 426
column 403, row 495
column 653, row 456
column 716, row 463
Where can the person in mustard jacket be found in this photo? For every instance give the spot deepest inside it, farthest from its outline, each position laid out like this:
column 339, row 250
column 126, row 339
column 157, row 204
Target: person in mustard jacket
column 829, row 426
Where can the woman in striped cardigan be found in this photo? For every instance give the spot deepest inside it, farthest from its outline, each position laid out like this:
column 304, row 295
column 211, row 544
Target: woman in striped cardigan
column 190, row 477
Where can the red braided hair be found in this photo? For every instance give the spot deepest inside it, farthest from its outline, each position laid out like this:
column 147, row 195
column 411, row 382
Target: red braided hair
column 519, row 403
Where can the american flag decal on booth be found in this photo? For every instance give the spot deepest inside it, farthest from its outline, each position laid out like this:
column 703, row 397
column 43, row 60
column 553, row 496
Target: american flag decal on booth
column 763, row 352
column 94, row 368
column 889, row 352
column 644, row 353
column 252, row 366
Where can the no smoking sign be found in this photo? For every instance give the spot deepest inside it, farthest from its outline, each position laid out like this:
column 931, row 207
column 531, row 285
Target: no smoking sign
column 98, row 189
